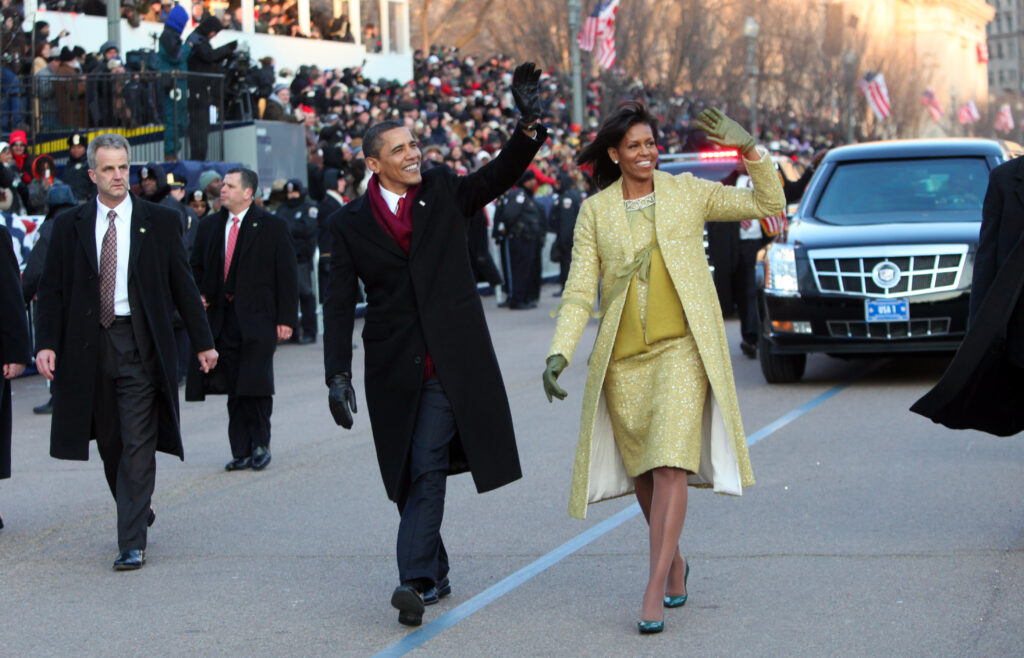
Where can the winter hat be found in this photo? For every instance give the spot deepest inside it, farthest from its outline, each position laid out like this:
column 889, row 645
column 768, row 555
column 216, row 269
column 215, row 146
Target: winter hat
column 209, row 25
column 294, row 185
column 177, row 19
column 18, row 136
column 107, row 45
column 66, row 55
column 207, row 177
column 60, row 195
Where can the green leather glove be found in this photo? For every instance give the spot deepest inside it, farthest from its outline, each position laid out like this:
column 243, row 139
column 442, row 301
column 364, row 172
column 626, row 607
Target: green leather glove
column 556, row 364
column 724, row 131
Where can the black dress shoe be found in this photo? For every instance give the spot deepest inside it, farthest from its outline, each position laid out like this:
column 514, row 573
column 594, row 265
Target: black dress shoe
column 151, row 518
column 260, row 458
column 44, row 408
column 409, row 603
column 130, row 560
column 434, row 594
column 238, row 464
column 749, row 349
column 307, row 340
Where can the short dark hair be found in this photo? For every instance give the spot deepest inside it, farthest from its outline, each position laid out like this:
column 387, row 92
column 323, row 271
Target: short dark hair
column 250, row 179
column 372, row 140
column 611, row 133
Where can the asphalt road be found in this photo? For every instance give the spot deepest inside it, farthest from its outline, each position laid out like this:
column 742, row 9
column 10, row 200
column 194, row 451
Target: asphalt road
column 870, row 531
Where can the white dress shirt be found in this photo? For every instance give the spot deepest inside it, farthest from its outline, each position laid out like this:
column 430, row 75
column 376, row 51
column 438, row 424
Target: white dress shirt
column 227, row 227
column 391, row 199
column 123, row 225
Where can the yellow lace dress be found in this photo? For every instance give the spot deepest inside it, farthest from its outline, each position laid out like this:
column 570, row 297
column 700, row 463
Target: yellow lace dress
column 655, row 385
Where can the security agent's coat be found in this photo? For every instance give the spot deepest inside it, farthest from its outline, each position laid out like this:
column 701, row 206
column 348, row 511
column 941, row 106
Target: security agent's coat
column 67, row 318
column 76, row 175
column 426, row 300
column 983, row 386
column 13, row 339
column 263, row 282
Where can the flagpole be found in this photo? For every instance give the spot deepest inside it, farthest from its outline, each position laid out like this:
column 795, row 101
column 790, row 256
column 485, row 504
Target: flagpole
column 575, row 8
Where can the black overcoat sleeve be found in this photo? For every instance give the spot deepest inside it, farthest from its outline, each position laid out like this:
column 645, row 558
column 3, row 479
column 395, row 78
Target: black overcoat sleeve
column 14, row 326
column 186, row 297
column 476, row 190
column 51, row 295
column 340, row 304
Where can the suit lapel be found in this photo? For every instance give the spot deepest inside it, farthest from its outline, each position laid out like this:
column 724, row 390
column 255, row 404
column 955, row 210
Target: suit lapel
column 248, row 232
column 367, row 225
column 620, row 223
column 1020, row 180
column 140, row 225
column 85, row 226
column 421, row 223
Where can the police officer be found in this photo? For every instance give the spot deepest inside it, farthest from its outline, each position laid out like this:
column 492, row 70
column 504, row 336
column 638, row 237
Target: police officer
column 76, row 173
column 564, row 210
column 152, row 183
column 520, row 221
column 301, row 214
column 176, row 201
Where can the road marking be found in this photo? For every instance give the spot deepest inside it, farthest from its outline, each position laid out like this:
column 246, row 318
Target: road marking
column 423, row 635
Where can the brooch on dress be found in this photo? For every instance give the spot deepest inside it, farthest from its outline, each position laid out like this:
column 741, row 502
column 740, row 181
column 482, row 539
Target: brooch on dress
column 639, row 204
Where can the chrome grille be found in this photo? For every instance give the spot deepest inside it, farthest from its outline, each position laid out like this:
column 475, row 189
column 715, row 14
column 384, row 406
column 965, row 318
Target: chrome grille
column 921, row 328
column 923, row 269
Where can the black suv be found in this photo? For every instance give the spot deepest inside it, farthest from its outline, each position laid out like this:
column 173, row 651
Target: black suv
column 878, row 257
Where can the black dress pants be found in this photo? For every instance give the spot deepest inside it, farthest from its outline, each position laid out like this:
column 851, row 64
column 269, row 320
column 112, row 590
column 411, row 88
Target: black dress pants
column 421, row 554
column 248, row 415
column 522, row 253
column 307, row 301
column 745, row 285
column 126, row 425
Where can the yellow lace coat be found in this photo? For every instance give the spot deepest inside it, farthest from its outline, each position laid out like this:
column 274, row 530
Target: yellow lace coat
column 602, row 246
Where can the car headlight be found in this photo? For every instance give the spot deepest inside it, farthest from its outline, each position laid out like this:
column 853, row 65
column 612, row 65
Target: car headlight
column 780, row 270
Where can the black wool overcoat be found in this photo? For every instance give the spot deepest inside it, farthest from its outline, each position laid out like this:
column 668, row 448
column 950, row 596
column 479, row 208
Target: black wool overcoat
column 983, row 387
column 264, row 282
column 67, row 318
column 426, row 300
column 13, row 339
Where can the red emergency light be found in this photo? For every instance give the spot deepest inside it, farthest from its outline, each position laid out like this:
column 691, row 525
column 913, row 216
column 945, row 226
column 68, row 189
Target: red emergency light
column 719, row 155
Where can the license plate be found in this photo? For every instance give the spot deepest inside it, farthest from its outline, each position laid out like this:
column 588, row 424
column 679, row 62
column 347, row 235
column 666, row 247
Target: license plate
column 887, row 310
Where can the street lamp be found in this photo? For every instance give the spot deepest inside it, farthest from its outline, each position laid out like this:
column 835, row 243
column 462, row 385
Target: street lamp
column 849, row 71
column 575, row 7
column 750, row 31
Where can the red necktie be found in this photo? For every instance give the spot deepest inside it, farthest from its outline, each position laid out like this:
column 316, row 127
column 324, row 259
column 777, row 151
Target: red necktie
column 230, row 253
column 108, row 272
column 398, row 208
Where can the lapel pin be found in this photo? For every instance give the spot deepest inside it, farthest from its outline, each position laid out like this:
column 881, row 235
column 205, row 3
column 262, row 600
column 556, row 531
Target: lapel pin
column 421, row 203
column 255, row 224
column 142, row 230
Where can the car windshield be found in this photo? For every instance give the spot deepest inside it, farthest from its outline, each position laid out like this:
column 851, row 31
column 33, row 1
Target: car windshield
column 898, row 191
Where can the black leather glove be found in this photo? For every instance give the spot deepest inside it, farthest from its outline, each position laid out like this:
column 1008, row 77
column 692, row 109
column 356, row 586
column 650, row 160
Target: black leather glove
column 342, row 399
column 526, row 91
column 556, row 364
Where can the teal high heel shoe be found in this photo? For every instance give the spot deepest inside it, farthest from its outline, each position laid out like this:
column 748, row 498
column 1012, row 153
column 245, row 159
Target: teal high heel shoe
column 649, row 627
column 679, row 601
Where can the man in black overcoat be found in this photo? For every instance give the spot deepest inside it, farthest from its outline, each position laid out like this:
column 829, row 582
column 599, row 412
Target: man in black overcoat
column 983, row 387
column 252, row 303
column 115, row 274
column 433, row 387
column 13, row 343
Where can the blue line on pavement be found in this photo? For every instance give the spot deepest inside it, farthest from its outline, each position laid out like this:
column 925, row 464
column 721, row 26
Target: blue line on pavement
column 423, row 635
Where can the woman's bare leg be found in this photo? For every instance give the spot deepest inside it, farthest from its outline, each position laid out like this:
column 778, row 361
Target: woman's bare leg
column 668, row 512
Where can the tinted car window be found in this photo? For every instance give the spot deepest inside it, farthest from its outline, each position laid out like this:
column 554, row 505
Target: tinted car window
column 932, row 190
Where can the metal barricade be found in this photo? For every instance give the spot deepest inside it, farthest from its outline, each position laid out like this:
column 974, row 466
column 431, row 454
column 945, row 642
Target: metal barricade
column 164, row 114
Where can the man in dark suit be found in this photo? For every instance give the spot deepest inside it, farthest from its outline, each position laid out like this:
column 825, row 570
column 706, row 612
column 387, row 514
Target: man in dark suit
column 115, row 274
column 433, row 387
column 244, row 263
column 334, row 186
column 983, row 386
column 13, row 343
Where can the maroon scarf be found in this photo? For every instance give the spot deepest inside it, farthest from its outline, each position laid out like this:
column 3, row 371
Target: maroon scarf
column 398, row 226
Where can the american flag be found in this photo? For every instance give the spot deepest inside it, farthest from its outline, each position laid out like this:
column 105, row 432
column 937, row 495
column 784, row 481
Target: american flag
column 931, row 101
column 588, row 33
column 874, row 89
column 606, row 35
column 1004, row 119
column 968, row 113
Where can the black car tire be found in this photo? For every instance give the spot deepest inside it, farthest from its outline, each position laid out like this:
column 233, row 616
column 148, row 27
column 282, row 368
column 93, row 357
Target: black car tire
column 779, row 368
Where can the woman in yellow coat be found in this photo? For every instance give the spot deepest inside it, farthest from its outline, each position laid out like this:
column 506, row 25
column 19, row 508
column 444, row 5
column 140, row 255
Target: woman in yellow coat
column 659, row 407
